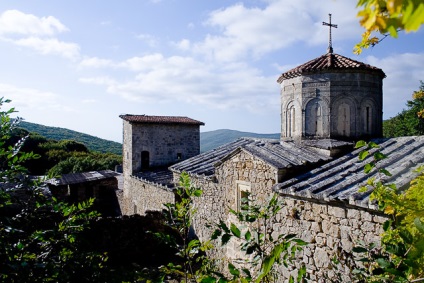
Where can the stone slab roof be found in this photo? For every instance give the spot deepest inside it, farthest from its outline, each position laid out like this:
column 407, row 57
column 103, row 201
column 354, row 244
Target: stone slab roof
column 341, row 179
column 328, row 62
column 279, row 155
column 326, row 143
column 160, row 119
column 158, row 176
column 76, row 178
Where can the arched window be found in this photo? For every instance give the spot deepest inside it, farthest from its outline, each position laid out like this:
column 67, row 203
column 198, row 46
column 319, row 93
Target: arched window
column 343, row 119
column 368, row 117
column 315, row 121
column 290, row 120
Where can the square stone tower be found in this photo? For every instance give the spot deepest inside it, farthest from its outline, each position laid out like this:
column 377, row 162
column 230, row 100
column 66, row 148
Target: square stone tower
column 158, row 141
column 331, row 97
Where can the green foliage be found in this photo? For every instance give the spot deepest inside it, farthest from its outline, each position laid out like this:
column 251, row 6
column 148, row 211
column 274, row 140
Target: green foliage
column 61, row 157
column 261, row 251
column 39, row 236
column 192, row 263
column 400, row 255
column 388, row 17
column 84, row 163
column 409, row 122
column 58, row 134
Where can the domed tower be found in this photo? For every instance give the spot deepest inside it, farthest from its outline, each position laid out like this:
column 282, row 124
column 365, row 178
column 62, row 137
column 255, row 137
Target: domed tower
column 331, row 97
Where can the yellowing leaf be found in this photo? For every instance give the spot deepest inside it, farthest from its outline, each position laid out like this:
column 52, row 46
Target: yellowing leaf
column 389, row 210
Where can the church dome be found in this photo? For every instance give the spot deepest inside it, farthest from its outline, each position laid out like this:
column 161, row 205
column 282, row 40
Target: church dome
column 329, row 62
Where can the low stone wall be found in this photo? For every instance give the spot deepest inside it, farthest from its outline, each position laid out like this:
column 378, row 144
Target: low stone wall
column 140, row 196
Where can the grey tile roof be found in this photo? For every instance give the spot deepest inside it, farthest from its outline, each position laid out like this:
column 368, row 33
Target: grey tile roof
column 279, row 155
column 326, row 143
column 160, row 119
column 75, row 178
column 328, row 62
column 341, row 179
column 157, row 176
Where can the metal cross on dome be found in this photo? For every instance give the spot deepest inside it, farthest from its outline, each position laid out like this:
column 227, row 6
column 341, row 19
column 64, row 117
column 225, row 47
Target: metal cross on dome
column 330, row 25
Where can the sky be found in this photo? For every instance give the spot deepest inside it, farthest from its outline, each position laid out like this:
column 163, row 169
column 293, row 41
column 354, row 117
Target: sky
column 80, row 64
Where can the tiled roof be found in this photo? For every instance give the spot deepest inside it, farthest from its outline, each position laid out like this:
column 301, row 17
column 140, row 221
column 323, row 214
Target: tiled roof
column 326, row 143
column 158, row 176
column 75, row 178
column 341, row 179
column 160, row 119
column 278, row 155
column 328, row 62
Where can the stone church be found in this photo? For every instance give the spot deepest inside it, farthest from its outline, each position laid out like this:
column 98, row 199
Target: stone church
column 327, row 104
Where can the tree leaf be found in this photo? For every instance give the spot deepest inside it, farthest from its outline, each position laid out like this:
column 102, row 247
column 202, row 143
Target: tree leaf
column 363, row 154
column 360, row 144
column 368, row 167
column 359, row 249
column 385, row 172
column 235, row 230
column 247, row 236
column 233, row 270
column 225, row 239
column 208, row 279
column 419, row 225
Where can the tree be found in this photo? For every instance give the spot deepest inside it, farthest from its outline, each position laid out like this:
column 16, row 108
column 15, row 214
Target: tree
column 409, row 122
column 39, row 236
column 388, row 17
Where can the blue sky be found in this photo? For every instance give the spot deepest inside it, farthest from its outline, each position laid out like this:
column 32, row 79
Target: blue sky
column 80, row 64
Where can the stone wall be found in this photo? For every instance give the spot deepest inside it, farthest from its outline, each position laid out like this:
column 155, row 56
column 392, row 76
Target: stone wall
column 330, row 230
column 332, row 105
column 141, row 196
column 165, row 144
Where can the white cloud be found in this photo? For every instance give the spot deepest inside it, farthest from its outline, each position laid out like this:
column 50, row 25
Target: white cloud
column 150, row 40
column 36, row 33
column 95, row 62
column 160, row 79
column 404, row 72
column 89, row 101
column 50, row 46
column 16, row 22
column 98, row 80
column 252, row 31
column 28, row 99
column 183, row 44
column 147, row 62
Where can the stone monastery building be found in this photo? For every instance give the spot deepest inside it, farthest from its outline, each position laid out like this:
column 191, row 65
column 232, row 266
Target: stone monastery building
column 326, row 104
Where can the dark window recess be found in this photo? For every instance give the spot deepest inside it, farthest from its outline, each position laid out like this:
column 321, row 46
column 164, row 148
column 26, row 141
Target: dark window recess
column 145, row 160
column 179, row 156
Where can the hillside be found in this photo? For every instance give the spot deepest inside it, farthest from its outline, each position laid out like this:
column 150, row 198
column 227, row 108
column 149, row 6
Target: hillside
column 208, row 140
column 213, row 139
column 91, row 142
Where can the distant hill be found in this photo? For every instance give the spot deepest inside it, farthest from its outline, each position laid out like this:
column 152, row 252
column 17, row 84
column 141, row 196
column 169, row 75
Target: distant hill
column 208, row 140
column 91, row 142
column 213, row 139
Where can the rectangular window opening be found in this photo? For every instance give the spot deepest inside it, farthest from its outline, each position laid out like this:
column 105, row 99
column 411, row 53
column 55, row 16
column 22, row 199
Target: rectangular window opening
column 242, row 195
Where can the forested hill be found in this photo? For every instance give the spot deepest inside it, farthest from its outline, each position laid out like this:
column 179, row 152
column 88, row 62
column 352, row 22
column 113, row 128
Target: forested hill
column 208, row 140
column 91, row 142
column 213, row 139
